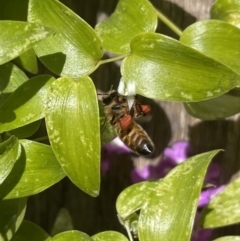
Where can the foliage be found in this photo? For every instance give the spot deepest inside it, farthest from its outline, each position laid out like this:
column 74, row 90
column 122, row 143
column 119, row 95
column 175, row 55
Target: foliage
column 201, row 69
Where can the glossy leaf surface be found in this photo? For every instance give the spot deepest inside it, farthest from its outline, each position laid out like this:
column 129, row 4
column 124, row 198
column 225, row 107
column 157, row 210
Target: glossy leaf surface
column 73, row 235
column 228, row 238
column 164, row 68
column 28, row 61
column 9, row 153
column 223, row 209
column 11, row 77
column 12, row 214
column 27, row 130
column 163, row 216
column 72, row 119
column 18, row 37
column 109, row 236
column 35, row 170
column 26, row 104
column 74, row 49
column 216, row 39
column 220, row 107
column 29, row 231
column 228, row 11
column 129, row 19
column 134, row 197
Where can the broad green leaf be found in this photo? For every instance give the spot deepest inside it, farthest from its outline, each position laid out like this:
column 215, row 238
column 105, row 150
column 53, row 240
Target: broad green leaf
column 11, row 77
column 72, row 119
column 134, row 197
column 129, row 19
column 35, row 170
column 216, row 39
column 73, row 235
column 26, row 104
column 63, row 222
column 216, row 108
column 109, row 236
column 29, row 231
column 169, row 210
column 164, row 68
column 228, row 238
column 75, row 49
column 107, row 130
column 18, row 37
column 28, row 61
column 223, row 209
column 27, row 130
column 9, row 153
column 12, row 213
column 228, row 11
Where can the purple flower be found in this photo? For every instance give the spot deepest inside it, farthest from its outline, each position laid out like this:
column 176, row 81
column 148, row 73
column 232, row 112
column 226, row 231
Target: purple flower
column 208, row 194
column 178, row 152
column 111, row 149
column 200, row 234
column 173, row 155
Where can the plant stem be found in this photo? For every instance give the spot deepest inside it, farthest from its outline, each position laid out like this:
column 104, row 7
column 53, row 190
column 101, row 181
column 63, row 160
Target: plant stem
column 105, row 61
column 128, row 231
column 42, row 138
column 169, row 23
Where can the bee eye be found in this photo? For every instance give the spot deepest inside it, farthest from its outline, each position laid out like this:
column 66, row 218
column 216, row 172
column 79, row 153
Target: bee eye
column 116, row 107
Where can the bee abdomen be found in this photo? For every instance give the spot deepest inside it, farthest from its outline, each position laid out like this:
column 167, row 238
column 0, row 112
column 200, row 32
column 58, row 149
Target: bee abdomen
column 138, row 140
column 145, row 148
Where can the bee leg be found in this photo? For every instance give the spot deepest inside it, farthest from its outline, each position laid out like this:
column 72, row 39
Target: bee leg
column 125, row 122
column 112, row 121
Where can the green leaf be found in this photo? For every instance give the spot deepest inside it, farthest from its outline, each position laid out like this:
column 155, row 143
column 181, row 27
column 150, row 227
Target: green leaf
column 34, row 171
column 18, row 37
column 28, row 61
column 134, row 197
column 164, row 68
column 228, row 238
column 107, row 131
column 27, row 130
column 228, row 11
column 129, row 19
column 216, row 39
column 63, row 222
column 109, row 236
column 217, row 108
column 223, row 209
column 12, row 214
column 9, row 153
column 72, row 236
column 75, row 49
column 29, row 231
column 11, row 77
column 72, row 119
column 169, row 210
column 26, row 104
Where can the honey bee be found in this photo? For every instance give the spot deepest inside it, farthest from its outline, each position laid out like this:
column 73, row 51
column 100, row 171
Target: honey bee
column 122, row 118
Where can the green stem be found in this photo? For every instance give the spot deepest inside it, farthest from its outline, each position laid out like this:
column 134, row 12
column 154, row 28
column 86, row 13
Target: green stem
column 105, row 61
column 42, row 138
column 128, row 231
column 169, row 23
